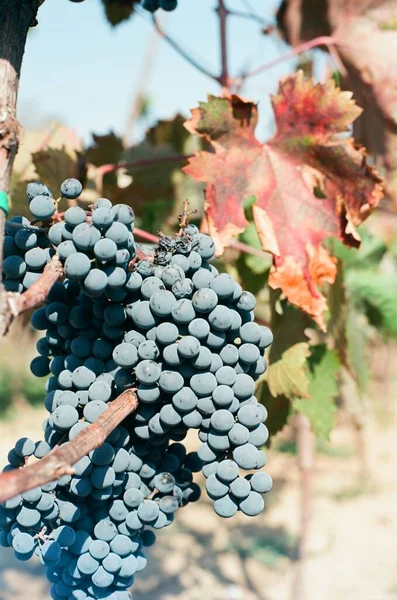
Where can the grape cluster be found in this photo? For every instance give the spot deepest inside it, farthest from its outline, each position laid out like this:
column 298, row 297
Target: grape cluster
column 180, row 333
column 153, row 5
column 27, row 248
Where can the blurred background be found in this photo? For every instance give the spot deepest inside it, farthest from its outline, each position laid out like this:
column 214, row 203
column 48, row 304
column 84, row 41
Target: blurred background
column 105, row 101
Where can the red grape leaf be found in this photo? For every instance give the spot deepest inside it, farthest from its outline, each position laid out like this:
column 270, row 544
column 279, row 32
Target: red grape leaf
column 307, row 153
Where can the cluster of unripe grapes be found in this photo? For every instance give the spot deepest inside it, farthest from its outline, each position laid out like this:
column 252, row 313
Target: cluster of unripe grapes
column 169, row 326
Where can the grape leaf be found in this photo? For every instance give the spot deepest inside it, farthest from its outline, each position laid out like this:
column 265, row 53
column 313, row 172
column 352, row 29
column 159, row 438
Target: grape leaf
column 306, row 153
column 365, row 33
column 376, row 293
column 288, row 376
column 169, row 132
column 323, row 389
column 105, row 149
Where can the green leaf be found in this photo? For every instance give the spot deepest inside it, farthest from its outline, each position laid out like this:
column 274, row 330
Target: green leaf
column 367, row 256
column 256, row 264
column 323, row 390
column 170, row 133
column 105, row 149
column 375, row 293
column 289, row 375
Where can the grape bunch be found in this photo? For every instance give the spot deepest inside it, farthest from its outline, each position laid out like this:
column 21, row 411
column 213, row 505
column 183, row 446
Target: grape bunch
column 152, row 5
column 181, row 334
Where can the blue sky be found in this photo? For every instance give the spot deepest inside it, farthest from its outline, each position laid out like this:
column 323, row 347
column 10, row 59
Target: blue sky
column 81, row 71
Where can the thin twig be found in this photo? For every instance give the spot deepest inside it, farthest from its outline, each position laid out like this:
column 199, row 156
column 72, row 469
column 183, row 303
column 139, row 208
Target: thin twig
column 16, row 304
column 184, row 217
column 250, row 250
column 178, row 48
column 324, row 40
column 61, row 459
column 252, row 14
column 145, row 235
column 146, row 162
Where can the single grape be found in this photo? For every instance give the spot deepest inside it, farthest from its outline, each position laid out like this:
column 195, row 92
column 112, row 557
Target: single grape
column 42, row 207
column 35, row 188
column 253, row 505
column 167, row 333
column 85, row 236
column 125, row 355
column 25, row 239
column 216, row 488
column 77, row 266
column 123, row 213
column 246, row 456
column 102, row 218
column 147, row 371
column 75, row 215
column 117, row 232
column 14, row 267
column 162, row 302
column 185, row 400
column 189, row 347
column 93, row 410
column 261, row 482
column 225, row 507
column 71, row 189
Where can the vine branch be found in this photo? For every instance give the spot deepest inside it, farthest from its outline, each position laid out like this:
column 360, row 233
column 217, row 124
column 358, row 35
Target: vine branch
column 223, row 79
column 15, row 304
column 145, row 235
column 145, row 162
column 61, row 459
column 178, row 48
column 323, row 40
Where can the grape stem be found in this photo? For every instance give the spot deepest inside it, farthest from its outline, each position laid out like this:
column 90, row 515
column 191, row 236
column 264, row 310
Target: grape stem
column 145, row 235
column 184, row 217
column 14, row 304
column 60, row 460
